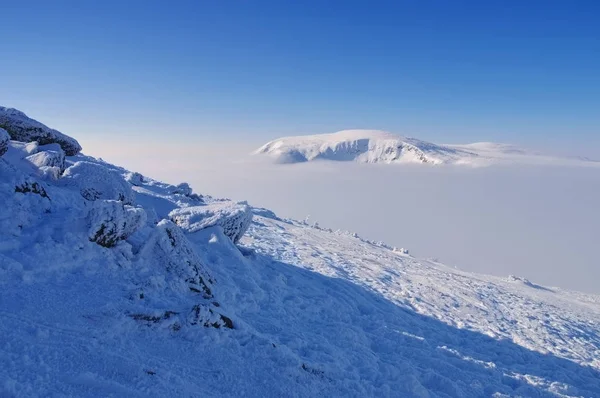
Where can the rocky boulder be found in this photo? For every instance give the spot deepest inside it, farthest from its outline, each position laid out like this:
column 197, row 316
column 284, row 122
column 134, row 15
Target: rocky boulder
column 168, row 247
column 234, row 218
column 111, row 221
column 97, row 182
column 48, row 156
column 22, row 128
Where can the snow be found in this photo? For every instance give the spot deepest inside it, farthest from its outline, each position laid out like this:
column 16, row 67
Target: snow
column 48, row 156
column 374, row 146
column 22, row 128
column 111, row 221
column 97, row 182
column 290, row 310
column 234, row 218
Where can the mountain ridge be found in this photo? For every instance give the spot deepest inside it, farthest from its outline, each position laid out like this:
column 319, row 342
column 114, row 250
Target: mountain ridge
column 377, row 146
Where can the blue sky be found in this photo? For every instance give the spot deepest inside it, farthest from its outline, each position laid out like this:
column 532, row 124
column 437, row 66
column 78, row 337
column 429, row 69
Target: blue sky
column 524, row 72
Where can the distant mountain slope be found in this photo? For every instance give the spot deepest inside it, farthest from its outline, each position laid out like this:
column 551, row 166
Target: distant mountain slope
column 114, row 284
column 374, row 146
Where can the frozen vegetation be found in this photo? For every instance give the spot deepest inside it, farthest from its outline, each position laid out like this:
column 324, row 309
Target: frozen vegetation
column 115, row 284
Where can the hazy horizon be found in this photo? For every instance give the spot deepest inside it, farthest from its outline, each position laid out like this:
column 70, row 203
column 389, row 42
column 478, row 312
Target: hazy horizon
column 536, row 222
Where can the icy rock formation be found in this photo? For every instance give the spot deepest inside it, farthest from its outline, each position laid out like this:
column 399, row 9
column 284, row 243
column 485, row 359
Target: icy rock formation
column 134, row 178
column 22, row 128
column 97, row 182
column 234, row 218
column 169, row 248
column 48, row 156
column 111, row 221
column 182, row 189
column 4, row 138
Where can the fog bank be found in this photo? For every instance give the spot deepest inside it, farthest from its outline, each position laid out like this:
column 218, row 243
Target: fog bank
column 538, row 222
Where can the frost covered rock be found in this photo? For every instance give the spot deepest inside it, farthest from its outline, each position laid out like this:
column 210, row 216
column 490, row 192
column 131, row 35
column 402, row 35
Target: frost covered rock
column 134, row 178
column 97, row 182
column 111, row 221
column 234, row 218
column 185, row 190
column 4, row 139
column 49, row 156
column 182, row 189
column 168, row 247
column 22, row 128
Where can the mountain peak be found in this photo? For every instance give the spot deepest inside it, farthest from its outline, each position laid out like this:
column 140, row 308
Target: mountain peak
column 377, row 146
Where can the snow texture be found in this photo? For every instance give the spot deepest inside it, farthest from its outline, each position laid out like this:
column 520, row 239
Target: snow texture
column 374, row 146
column 22, row 128
column 291, row 310
column 97, row 182
column 234, row 218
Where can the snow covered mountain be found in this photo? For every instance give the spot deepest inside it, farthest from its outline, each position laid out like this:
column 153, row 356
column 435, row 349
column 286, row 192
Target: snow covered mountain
column 114, row 284
column 374, row 146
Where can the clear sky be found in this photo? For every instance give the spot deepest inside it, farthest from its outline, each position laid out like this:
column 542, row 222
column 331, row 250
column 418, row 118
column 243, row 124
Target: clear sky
column 447, row 71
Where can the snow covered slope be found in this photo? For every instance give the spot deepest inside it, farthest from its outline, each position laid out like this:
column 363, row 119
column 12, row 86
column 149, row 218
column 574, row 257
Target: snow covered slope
column 373, row 146
column 114, row 284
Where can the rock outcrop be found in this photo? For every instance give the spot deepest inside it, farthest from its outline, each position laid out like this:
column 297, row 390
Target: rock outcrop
column 97, row 182
column 234, row 218
column 111, row 221
column 22, row 128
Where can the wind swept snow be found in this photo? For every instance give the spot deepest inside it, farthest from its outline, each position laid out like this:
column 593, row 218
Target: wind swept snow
column 109, row 296
column 374, row 146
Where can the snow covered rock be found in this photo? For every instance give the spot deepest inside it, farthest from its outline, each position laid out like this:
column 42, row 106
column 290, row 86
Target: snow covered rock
column 22, row 128
column 111, row 221
column 234, row 218
column 169, row 248
column 185, row 190
column 48, row 156
column 4, row 139
column 97, row 182
column 134, row 178
column 182, row 189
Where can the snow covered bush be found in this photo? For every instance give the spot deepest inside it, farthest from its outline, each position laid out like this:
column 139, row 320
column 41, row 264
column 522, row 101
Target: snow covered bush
column 168, row 247
column 111, row 221
column 4, row 139
column 22, row 128
column 48, row 156
column 97, row 182
column 234, row 218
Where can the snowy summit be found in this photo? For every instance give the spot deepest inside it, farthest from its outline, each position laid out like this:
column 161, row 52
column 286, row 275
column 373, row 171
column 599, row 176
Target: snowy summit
column 115, row 284
column 375, row 146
